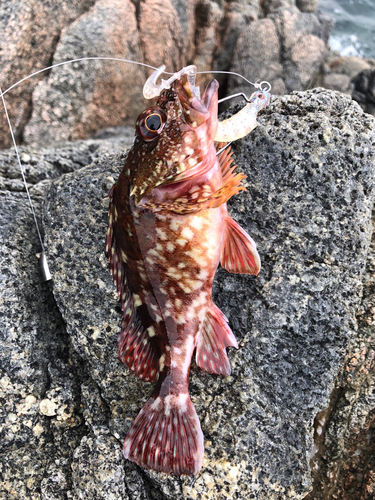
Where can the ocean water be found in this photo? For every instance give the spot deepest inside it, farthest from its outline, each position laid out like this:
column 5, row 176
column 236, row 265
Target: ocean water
column 354, row 30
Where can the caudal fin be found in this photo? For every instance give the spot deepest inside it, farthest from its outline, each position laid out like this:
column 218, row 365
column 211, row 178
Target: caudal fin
column 166, row 436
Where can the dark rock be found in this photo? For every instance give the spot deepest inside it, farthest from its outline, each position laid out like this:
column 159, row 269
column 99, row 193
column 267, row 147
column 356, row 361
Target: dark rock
column 310, row 167
column 307, row 5
column 364, row 90
column 41, row 422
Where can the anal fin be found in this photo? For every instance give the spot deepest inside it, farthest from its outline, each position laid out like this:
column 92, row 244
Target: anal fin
column 239, row 253
column 215, row 336
column 166, row 436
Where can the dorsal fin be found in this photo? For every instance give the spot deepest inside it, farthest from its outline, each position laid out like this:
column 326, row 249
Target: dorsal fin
column 137, row 344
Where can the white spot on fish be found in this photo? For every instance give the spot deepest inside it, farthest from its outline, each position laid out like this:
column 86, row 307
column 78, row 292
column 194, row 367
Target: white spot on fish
column 187, row 233
column 181, row 241
column 151, row 331
column 137, row 300
column 170, row 247
column 161, row 363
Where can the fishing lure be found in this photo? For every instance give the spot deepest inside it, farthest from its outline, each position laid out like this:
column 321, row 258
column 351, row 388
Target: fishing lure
column 168, row 229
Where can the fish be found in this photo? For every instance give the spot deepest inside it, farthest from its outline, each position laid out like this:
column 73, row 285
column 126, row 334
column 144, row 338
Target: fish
column 168, row 230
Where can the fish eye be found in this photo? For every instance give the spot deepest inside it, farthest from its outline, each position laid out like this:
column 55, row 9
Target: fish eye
column 260, row 95
column 153, row 122
column 150, row 123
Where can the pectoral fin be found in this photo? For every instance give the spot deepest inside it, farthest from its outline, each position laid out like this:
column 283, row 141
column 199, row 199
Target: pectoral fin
column 239, row 253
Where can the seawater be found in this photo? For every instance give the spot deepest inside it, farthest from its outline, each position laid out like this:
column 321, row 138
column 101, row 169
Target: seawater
column 354, row 30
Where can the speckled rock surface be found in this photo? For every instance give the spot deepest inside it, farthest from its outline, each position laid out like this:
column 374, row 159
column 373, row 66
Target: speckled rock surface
column 344, row 461
column 41, row 422
column 310, row 167
column 301, row 394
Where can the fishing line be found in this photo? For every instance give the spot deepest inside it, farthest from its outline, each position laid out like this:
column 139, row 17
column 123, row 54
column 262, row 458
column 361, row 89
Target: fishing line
column 43, row 261
column 117, row 59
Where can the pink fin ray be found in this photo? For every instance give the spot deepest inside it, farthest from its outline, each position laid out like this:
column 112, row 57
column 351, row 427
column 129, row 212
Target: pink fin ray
column 135, row 346
column 239, row 253
column 166, row 436
column 214, row 337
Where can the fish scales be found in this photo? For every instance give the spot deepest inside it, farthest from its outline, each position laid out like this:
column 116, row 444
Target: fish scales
column 168, row 230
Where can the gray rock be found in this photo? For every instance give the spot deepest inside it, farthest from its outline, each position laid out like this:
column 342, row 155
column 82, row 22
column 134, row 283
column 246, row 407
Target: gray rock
column 343, row 459
column 310, row 167
column 41, row 421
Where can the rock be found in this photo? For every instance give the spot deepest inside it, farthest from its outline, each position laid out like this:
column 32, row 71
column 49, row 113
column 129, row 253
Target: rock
column 41, row 416
column 236, row 17
column 337, row 82
column 269, row 6
column 307, row 5
column 339, row 71
column 263, row 62
column 288, row 49
column 364, row 90
column 78, row 100
column 344, row 458
column 29, row 34
column 310, row 167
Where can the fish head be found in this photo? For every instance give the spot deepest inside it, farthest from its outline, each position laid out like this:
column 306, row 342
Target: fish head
column 174, row 138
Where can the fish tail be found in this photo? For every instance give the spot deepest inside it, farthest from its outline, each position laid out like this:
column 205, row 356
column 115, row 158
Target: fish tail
column 166, row 436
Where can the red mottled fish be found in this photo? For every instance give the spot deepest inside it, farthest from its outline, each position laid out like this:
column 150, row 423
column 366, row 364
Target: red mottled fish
column 168, row 230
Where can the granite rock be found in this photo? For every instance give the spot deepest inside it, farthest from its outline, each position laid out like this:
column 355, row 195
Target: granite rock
column 79, row 99
column 74, row 101
column 288, row 49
